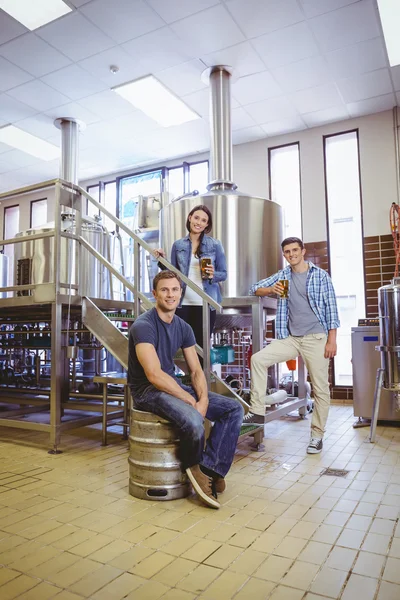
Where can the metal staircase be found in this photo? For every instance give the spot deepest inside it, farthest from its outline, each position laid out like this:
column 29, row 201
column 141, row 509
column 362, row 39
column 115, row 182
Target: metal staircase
column 105, row 331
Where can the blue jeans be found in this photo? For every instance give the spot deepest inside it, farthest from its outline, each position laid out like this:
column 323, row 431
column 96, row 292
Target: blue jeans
column 225, row 413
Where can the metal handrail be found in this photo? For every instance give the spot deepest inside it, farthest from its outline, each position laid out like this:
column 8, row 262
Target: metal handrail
column 101, row 208
column 114, row 271
column 149, row 249
column 138, row 243
column 32, row 188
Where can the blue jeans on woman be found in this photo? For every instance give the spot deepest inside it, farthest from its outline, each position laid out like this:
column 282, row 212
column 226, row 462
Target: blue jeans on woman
column 225, row 413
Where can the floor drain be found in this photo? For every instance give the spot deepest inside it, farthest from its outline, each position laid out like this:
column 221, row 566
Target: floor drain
column 334, row 472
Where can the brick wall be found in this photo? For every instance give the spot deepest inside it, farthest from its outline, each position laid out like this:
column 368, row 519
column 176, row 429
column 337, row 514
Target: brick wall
column 379, row 268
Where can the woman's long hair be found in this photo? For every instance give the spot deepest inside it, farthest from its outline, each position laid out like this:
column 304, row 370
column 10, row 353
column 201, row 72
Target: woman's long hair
column 206, row 230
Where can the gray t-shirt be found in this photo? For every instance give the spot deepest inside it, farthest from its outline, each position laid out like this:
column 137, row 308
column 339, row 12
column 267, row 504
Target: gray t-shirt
column 302, row 320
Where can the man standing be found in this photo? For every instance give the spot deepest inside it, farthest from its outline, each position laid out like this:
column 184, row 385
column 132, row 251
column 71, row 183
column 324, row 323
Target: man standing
column 154, row 339
column 306, row 324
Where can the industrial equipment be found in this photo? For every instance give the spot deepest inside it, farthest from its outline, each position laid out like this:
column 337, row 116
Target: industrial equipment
column 249, row 228
column 388, row 375
column 365, row 362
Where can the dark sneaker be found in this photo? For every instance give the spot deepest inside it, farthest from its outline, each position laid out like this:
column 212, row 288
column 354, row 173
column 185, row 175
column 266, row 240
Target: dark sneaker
column 203, row 486
column 315, row 446
column 220, row 485
column 252, row 419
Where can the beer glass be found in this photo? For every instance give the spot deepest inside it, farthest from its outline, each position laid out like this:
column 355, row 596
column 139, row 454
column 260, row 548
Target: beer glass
column 205, row 261
column 285, row 284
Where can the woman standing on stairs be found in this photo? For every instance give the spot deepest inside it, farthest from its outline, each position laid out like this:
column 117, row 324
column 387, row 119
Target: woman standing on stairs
column 186, row 255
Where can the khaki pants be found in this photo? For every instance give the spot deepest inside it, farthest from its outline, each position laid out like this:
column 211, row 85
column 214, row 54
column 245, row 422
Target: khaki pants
column 311, row 348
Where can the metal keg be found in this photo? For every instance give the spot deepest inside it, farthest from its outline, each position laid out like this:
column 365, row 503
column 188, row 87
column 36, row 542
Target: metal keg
column 154, row 467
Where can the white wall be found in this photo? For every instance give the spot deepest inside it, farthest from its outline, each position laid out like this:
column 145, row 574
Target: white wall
column 250, row 171
column 24, row 202
column 377, row 167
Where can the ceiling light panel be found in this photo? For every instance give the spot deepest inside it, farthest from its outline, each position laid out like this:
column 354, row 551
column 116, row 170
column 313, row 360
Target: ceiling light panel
column 390, row 19
column 156, row 101
column 21, row 140
column 37, row 13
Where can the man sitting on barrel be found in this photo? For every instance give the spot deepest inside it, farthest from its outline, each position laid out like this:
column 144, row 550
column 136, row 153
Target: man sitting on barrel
column 154, row 339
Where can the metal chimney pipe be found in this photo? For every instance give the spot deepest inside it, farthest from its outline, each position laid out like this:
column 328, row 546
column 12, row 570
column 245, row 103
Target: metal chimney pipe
column 69, row 148
column 221, row 128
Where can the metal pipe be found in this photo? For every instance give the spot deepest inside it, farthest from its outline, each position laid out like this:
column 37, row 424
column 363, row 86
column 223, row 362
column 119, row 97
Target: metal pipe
column 69, row 148
column 397, row 149
column 221, row 129
column 27, row 238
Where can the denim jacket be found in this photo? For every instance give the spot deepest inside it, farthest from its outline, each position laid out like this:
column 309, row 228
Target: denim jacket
column 181, row 255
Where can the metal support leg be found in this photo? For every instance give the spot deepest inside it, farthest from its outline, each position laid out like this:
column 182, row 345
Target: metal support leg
column 301, row 386
column 377, row 401
column 257, row 445
column 126, row 412
column 104, row 425
column 257, row 327
column 58, row 389
column 206, row 343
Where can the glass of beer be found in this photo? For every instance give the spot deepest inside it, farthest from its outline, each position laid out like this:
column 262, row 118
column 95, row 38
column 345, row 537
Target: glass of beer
column 285, row 284
column 205, row 261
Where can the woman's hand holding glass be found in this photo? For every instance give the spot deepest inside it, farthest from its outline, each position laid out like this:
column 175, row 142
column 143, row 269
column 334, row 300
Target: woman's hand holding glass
column 210, row 271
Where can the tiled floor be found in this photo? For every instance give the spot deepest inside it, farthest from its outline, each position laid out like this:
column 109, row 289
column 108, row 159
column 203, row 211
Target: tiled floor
column 70, row 530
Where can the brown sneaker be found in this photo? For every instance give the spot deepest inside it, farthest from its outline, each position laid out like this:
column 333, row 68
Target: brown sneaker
column 202, row 485
column 220, row 485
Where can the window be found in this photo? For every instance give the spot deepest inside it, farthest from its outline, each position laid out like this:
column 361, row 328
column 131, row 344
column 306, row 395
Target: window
column 187, row 178
column 198, row 177
column 11, row 228
column 106, row 194
column 94, row 191
column 284, row 176
column 141, row 218
column 176, row 184
column 110, row 203
column 346, row 259
column 38, row 212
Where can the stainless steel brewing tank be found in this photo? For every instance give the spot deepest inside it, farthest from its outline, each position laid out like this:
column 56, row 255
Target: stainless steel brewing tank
column 3, row 274
column 39, row 258
column 146, row 226
column 389, row 325
column 249, row 228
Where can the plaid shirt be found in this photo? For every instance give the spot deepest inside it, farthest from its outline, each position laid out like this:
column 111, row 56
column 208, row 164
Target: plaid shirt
column 320, row 293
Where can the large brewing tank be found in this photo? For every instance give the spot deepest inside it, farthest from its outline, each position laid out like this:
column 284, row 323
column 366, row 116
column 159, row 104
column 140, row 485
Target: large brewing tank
column 3, row 274
column 389, row 324
column 249, row 228
column 34, row 260
column 146, row 226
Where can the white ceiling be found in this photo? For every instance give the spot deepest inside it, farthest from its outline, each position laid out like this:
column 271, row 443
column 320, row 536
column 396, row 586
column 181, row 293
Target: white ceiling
column 299, row 64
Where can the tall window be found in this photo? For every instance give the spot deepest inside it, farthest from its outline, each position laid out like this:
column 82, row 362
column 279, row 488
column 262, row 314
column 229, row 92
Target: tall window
column 198, row 176
column 141, row 215
column 187, row 178
column 345, row 241
column 11, row 228
column 107, row 196
column 94, row 191
column 284, row 176
column 38, row 212
column 110, row 203
column 176, row 183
